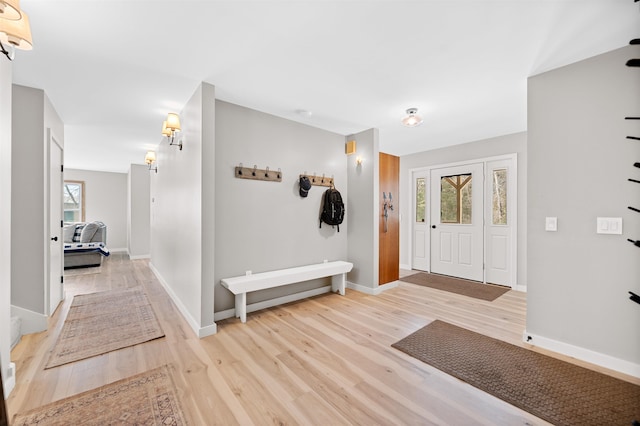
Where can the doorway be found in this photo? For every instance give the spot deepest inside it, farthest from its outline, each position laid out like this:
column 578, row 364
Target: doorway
column 463, row 220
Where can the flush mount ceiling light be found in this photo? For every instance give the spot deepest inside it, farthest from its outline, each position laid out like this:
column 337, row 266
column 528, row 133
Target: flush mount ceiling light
column 170, row 127
column 412, row 119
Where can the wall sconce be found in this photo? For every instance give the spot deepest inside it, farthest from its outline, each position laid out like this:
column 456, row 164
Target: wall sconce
column 150, row 159
column 412, row 119
column 359, row 161
column 350, row 147
column 170, row 127
column 15, row 31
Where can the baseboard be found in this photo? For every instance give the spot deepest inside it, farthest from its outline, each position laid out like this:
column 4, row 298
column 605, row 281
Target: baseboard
column 199, row 331
column 230, row 313
column 597, row 358
column 119, row 250
column 372, row 291
column 32, row 322
column 405, row 267
column 139, row 256
column 9, row 376
column 519, row 287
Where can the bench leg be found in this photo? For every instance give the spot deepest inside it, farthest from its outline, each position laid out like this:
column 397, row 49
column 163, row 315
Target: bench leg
column 241, row 306
column 338, row 283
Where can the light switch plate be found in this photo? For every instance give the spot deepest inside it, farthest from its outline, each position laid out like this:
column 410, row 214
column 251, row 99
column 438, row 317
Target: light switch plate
column 551, row 224
column 609, row 225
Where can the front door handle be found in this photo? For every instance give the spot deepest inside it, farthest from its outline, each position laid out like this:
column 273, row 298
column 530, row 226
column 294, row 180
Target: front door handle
column 54, row 238
column 433, row 226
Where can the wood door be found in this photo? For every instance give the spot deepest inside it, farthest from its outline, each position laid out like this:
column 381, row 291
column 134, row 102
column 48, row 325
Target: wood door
column 389, row 228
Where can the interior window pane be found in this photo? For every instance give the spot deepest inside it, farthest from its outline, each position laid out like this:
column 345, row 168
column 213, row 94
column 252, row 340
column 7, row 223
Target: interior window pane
column 72, row 198
column 499, row 216
column 421, row 200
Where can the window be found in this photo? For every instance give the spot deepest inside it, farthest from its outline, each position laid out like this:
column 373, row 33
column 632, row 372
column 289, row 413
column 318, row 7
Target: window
column 73, row 201
column 499, row 198
column 455, row 199
column 421, row 200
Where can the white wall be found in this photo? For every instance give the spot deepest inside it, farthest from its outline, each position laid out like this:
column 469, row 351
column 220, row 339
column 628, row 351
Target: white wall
column 5, row 224
column 362, row 211
column 138, row 212
column 501, row 145
column 579, row 162
column 263, row 226
column 179, row 192
column 106, row 201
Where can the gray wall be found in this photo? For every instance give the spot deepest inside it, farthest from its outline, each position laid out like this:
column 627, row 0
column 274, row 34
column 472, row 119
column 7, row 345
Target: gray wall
column 501, row 145
column 5, row 218
column 579, row 162
column 32, row 114
column 138, row 212
column 262, row 226
column 362, row 211
column 106, row 201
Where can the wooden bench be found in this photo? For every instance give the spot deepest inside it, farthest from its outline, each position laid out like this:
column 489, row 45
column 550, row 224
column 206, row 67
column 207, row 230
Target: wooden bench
column 242, row 285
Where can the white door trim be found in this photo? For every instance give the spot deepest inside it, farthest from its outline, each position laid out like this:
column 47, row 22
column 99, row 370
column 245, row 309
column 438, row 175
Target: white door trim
column 513, row 195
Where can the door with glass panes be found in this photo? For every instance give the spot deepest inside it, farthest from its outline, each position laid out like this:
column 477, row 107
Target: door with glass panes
column 457, row 245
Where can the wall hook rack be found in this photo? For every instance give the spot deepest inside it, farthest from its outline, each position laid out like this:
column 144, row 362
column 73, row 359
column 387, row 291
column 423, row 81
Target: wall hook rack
column 320, row 180
column 258, row 174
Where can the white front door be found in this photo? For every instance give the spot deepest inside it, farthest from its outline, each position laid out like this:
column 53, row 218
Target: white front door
column 420, row 237
column 457, row 245
column 55, row 293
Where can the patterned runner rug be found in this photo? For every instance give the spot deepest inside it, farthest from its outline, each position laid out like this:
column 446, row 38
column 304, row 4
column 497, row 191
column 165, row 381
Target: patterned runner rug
column 149, row 398
column 554, row 390
column 102, row 322
column 468, row 288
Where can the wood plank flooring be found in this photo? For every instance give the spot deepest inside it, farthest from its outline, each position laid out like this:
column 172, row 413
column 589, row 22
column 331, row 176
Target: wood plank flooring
column 321, row 361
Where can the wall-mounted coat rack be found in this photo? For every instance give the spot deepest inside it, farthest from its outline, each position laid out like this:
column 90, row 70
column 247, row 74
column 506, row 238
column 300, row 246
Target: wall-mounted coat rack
column 320, row 180
column 258, row 174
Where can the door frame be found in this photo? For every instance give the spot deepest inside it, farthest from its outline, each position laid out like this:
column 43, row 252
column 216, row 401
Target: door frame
column 513, row 197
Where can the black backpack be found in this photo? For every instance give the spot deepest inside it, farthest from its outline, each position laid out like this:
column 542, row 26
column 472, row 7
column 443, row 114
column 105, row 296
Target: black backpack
column 332, row 208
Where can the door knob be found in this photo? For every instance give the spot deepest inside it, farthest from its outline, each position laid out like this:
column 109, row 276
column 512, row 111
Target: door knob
column 54, row 238
column 433, row 226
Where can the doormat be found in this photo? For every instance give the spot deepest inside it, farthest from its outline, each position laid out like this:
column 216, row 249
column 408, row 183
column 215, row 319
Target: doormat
column 149, row 398
column 102, row 322
column 551, row 389
column 489, row 292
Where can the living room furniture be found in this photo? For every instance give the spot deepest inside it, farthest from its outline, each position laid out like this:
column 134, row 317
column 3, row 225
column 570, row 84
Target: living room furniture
column 85, row 244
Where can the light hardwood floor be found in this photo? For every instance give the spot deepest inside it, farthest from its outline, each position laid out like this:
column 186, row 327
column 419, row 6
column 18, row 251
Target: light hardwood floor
column 325, row 360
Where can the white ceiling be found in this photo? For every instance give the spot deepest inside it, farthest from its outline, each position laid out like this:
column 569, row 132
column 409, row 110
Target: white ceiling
column 113, row 69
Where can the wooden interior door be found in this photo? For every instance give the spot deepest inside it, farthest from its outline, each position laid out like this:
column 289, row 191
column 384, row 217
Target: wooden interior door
column 389, row 229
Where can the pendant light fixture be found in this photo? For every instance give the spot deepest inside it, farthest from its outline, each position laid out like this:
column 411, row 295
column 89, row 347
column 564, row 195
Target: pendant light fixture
column 412, row 119
column 10, row 9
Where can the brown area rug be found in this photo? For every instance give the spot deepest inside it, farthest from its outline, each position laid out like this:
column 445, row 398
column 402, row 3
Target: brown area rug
column 74, row 272
column 149, row 398
column 487, row 292
column 554, row 390
column 102, row 322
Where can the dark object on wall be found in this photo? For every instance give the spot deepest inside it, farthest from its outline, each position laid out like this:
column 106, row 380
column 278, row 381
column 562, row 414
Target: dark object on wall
column 634, row 297
column 635, row 243
column 332, row 208
column 634, row 138
column 636, row 165
column 634, row 209
column 633, row 63
column 305, row 186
